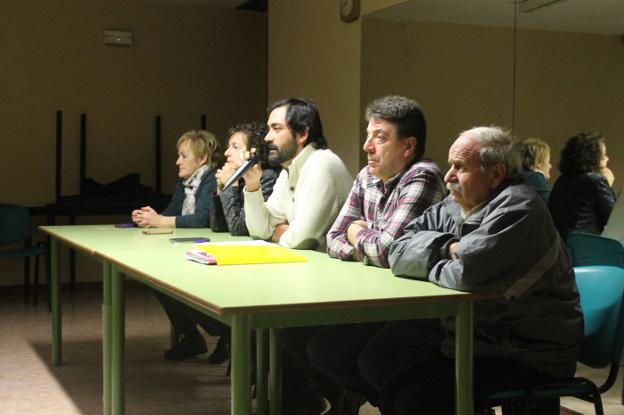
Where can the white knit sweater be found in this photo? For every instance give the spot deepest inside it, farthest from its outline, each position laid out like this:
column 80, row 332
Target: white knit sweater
column 307, row 196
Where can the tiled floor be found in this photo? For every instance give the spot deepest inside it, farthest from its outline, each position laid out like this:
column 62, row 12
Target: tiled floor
column 30, row 385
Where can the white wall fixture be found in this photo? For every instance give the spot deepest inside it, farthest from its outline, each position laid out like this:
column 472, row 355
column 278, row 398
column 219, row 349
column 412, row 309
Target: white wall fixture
column 117, row 38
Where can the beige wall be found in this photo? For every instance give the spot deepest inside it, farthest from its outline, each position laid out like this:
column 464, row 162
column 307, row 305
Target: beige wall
column 441, row 67
column 186, row 59
column 569, row 83
column 312, row 53
column 463, row 76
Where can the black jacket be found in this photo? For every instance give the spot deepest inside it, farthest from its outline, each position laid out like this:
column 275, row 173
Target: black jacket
column 581, row 202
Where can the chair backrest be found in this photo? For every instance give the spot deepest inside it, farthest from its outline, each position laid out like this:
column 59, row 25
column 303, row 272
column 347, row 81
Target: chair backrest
column 601, row 289
column 14, row 223
column 589, row 249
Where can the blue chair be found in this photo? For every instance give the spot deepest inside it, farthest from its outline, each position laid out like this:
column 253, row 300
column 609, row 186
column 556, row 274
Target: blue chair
column 590, row 249
column 601, row 290
column 15, row 237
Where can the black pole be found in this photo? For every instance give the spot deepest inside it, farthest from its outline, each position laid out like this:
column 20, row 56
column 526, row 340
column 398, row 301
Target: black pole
column 202, row 122
column 158, row 187
column 59, row 152
column 83, row 150
column 513, row 68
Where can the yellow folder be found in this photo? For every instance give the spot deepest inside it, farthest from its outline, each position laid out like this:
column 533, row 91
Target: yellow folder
column 251, row 254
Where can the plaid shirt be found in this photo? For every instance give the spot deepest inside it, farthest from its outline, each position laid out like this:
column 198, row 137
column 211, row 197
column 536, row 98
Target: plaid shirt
column 386, row 208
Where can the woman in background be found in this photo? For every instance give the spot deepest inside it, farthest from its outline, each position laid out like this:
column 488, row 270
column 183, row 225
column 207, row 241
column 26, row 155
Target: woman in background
column 198, row 159
column 582, row 197
column 228, row 213
column 536, row 165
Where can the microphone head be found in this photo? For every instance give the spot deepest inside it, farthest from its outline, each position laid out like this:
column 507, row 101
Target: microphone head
column 241, row 170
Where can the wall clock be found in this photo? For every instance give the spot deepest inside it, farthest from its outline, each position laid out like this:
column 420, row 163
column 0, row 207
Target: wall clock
column 349, row 10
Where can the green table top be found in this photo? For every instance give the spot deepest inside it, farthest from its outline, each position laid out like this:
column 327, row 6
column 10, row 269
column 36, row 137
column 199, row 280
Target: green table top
column 95, row 238
column 321, row 282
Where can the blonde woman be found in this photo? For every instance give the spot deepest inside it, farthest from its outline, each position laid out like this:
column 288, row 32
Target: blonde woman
column 536, row 165
column 198, row 159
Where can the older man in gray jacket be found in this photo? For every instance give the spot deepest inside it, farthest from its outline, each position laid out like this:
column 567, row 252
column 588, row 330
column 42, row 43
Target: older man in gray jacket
column 493, row 235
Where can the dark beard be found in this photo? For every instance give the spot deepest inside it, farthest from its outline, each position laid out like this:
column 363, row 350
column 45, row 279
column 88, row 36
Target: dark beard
column 286, row 153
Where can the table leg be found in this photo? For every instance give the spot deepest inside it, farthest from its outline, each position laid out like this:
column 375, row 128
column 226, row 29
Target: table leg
column 241, row 356
column 72, row 262
column 55, row 289
column 464, row 358
column 116, row 335
column 173, row 336
column 275, row 375
column 262, row 369
column 106, row 340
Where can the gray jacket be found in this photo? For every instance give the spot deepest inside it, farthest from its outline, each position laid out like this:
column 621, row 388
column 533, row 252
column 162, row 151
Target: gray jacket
column 510, row 250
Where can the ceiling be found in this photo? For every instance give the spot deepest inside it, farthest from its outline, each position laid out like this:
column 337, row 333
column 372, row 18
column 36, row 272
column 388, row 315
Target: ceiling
column 255, row 5
column 582, row 16
column 216, row 3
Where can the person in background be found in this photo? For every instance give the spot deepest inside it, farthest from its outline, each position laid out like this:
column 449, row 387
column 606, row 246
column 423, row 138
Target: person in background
column 228, row 214
column 492, row 236
column 307, row 197
column 536, row 165
column 198, row 159
column 582, row 197
column 395, row 186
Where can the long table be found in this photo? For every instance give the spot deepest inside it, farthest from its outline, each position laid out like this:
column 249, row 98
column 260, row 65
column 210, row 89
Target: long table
column 260, row 297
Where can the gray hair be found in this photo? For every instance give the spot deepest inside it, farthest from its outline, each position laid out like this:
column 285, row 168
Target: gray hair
column 497, row 146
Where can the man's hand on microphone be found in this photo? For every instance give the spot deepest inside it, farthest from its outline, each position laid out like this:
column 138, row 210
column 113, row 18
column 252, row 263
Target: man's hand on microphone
column 253, row 175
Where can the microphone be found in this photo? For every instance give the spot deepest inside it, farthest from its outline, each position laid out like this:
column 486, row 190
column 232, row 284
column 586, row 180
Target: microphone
column 241, row 170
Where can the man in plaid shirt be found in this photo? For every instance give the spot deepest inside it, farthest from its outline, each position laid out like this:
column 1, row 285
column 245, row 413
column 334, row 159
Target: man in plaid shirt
column 396, row 185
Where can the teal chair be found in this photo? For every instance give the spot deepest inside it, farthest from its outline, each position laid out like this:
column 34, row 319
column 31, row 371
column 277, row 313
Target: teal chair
column 601, row 288
column 590, row 249
column 15, row 238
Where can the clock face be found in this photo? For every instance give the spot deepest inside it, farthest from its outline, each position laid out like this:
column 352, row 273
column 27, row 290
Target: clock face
column 347, row 6
column 349, row 10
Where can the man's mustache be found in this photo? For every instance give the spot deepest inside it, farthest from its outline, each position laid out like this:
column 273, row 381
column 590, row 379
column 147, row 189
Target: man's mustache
column 455, row 187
